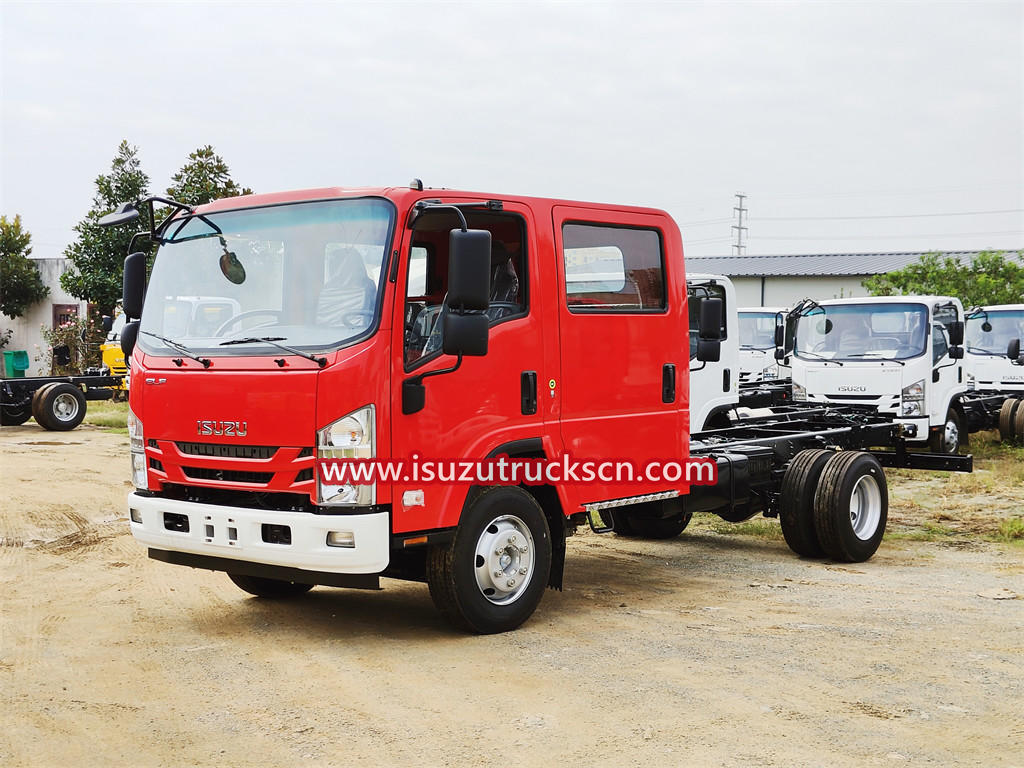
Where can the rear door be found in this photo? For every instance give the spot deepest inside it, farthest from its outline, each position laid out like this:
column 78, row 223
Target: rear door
column 622, row 324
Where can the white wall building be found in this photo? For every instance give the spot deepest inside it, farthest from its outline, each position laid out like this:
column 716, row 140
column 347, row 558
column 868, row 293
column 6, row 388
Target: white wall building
column 766, row 281
column 47, row 313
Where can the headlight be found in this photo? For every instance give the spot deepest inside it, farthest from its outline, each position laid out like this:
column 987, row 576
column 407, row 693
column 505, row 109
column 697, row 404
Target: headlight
column 350, row 437
column 913, row 399
column 137, row 444
column 799, row 392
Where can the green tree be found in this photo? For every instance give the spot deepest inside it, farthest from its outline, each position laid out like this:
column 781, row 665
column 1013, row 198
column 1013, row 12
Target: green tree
column 203, row 178
column 20, row 284
column 98, row 253
column 991, row 277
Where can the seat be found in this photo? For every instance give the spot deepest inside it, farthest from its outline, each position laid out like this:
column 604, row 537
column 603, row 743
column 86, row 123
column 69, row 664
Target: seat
column 348, row 294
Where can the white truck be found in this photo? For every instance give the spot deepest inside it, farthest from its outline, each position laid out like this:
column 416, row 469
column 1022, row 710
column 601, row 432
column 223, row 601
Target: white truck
column 758, row 361
column 900, row 354
column 714, row 385
column 989, row 332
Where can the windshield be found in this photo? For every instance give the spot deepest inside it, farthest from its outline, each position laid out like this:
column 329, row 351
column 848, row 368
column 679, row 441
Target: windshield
column 1006, row 325
column 863, row 331
column 307, row 274
column 757, row 330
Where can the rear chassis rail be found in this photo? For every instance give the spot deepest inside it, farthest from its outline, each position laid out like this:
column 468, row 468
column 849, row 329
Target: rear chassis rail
column 765, row 394
column 752, row 456
column 981, row 407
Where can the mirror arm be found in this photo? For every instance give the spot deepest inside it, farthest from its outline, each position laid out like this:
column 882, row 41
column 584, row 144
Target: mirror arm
column 419, row 379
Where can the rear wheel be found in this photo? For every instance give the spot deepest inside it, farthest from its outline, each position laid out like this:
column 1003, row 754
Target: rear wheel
column 37, row 400
column 1007, row 415
column 851, row 506
column 61, row 408
column 492, row 576
column 1018, row 424
column 272, row 589
column 796, row 508
column 947, row 438
column 14, row 415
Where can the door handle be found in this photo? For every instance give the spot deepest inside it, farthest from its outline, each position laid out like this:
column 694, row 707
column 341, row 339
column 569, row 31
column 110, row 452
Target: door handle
column 528, row 392
column 668, row 383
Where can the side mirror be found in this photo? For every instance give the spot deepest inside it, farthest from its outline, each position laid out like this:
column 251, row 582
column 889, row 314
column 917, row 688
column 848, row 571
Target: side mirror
column 779, row 353
column 107, row 323
column 134, row 284
column 780, row 336
column 712, row 312
column 129, row 335
column 709, row 350
column 956, row 333
column 956, row 353
column 124, row 213
column 1013, row 349
column 469, row 269
column 465, row 334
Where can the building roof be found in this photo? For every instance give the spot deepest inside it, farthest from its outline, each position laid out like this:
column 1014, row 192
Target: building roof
column 813, row 264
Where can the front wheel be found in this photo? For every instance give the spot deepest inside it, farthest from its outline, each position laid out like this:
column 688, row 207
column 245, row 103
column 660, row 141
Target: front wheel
column 14, row 415
column 492, row 576
column 273, row 589
column 947, row 438
column 851, row 506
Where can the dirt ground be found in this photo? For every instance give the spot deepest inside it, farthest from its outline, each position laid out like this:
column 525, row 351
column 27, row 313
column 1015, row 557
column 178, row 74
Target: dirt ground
column 714, row 649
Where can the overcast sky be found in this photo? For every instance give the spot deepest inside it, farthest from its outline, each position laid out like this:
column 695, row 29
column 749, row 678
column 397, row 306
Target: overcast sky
column 829, row 116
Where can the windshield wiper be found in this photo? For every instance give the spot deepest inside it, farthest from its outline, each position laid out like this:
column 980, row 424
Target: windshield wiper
column 980, row 351
column 873, row 356
column 179, row 347
column 321, row 361
column 753, row 346
column 816, row 356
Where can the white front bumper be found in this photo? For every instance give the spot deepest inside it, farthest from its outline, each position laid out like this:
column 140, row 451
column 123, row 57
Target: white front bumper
column 237, row 533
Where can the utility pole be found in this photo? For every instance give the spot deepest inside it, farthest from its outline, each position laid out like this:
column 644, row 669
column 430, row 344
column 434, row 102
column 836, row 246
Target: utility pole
column 738, row 247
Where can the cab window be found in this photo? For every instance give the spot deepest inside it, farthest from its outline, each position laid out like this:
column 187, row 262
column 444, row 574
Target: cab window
column 613, row 269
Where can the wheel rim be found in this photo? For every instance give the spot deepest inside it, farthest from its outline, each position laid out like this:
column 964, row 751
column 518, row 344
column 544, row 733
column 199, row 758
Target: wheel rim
column 951, row 435
column 504, row 559
column 65, row 407
column 865, row 507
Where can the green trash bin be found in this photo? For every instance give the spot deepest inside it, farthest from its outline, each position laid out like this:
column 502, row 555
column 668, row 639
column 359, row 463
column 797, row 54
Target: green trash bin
column 15, row 363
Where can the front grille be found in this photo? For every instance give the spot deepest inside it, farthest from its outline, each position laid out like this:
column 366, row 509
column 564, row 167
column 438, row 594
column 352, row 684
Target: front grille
column 227, row 475
column 228, row 451
column 853, row 397
column 306, row 474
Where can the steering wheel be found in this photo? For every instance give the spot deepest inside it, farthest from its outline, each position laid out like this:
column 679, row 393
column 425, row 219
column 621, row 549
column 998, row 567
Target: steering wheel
column 277, row 313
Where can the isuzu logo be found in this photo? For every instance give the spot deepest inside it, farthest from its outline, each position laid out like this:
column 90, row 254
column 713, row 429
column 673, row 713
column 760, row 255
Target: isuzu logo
column 224, row 428
column 852, row 388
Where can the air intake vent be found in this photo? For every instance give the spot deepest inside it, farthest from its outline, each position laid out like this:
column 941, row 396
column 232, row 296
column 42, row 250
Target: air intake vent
column 306, row 474
column 228, row 451
column 156, row 464
column 227, row 475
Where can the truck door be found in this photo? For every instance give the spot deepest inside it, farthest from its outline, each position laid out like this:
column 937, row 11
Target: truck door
column 622, row 329
column 483, row 404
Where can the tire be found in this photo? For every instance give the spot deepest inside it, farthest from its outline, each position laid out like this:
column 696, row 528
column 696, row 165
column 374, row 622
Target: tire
column 272, row 589
column 851, row 506
column 1018, row 425
column 14, row 415
column 37, row 399
column 492, row 576
column 62, row 407
column 796, row 504
column 947, row 439
column 1007, row 415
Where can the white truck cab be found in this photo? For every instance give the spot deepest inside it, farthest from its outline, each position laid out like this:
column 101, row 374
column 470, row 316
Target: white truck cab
column 900, row 354
column 714, row 386
column 757, row 344
column 988, row 334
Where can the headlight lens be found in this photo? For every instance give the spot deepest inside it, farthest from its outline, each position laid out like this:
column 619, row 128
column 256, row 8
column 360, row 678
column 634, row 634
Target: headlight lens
column 799, row 392
column 350, row 437
column 913, row 399
column 137, row 443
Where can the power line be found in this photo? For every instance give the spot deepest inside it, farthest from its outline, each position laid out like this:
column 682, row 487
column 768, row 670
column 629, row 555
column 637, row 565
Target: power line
column 894, row 216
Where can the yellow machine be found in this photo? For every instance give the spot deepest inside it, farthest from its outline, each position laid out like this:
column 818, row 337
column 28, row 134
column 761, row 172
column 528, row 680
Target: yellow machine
column 112, row 356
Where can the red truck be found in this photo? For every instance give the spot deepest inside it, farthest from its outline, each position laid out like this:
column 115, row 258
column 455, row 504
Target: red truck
column 401, row 322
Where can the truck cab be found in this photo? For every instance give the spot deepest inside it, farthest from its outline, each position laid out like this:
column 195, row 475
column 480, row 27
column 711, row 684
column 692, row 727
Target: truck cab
column 391, row 324
column 989, row 332
column 899, row 354
column 714, row 385
column 757, row 360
